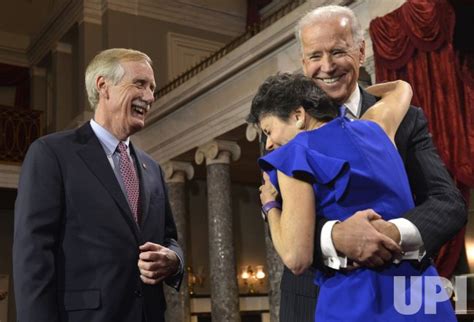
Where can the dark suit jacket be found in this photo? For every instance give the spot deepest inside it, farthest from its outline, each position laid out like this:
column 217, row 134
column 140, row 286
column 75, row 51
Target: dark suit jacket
column 75, row 249
column 439, row 214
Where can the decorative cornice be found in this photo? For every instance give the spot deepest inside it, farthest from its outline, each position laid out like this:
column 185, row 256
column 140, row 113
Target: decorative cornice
column 172, row 11
column 13, row 48
column 59, row 24
column 217, row 151
column 178, row 171
column 92, row 12
column 185, row 51
column 9, row 175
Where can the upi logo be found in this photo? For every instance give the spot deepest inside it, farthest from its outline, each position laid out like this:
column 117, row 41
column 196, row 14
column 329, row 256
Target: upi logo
column 429, row 290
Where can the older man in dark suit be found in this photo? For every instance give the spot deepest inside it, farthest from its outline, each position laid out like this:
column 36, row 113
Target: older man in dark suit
column 94, row 234
column 332, row 50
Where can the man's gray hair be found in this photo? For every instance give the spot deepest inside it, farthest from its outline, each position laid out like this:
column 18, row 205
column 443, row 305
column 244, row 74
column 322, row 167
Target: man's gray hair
column 326, row 12
column 107, row 64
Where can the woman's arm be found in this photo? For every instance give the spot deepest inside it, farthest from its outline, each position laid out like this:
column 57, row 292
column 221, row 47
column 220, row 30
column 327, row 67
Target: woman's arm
column 390, row 110
column 292, row 228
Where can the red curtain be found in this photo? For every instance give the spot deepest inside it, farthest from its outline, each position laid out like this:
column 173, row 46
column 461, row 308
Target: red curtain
column 414, row 43
column 20, row 78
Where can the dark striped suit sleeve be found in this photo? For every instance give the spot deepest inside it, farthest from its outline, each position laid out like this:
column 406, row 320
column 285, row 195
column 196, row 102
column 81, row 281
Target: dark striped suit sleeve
column 440, row 210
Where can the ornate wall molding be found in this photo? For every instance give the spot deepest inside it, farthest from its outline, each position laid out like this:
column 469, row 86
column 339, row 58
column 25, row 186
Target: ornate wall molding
column 9, row 175
column 92, row 12
column 59, row 24
column 13, row 48
column 184, row 51
column 172, row 11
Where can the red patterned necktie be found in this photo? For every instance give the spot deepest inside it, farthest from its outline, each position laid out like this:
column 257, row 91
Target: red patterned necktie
column 130, row 179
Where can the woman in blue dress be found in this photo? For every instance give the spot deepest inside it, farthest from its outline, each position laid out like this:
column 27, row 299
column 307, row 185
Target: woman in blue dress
column 325, row 165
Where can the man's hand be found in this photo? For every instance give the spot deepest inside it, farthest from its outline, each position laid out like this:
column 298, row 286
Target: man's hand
column 357, row 239
column 156, row 263
column 387, row 228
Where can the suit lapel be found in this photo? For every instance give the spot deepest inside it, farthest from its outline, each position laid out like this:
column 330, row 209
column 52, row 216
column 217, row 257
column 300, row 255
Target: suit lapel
column 94, row 157
column 367, row 101
column 144, row 183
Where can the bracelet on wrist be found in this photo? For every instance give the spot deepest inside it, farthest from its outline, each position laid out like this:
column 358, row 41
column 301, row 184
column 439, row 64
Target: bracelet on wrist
column 269, row 206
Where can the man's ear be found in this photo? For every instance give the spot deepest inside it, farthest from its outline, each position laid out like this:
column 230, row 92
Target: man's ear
column 362, row 53
column 102, row 87
column 304, row 66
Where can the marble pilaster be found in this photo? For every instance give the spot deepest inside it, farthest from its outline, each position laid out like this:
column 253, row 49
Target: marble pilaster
column 176, row 174
column 64, row 98
column 223, row 276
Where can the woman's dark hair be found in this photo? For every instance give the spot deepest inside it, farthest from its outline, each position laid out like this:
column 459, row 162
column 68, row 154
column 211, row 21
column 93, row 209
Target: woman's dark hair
column 283, row 93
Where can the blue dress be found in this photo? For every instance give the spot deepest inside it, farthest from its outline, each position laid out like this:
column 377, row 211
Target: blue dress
column 352, row 166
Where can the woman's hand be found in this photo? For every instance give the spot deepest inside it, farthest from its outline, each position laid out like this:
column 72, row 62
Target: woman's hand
column 267, row 190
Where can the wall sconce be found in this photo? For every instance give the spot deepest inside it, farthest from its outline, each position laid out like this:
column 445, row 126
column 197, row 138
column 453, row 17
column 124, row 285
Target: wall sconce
column 469, row 244
column 194, row 279
column 251, row 277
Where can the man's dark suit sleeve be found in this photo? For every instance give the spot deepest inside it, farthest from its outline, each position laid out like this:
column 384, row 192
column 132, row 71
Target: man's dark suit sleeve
column 171, row 239
column 36, row 234
column 440, row 211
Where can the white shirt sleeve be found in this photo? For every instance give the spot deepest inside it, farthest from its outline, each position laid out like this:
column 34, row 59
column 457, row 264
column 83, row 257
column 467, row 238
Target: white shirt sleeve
column 410, row 239
column 330, row 257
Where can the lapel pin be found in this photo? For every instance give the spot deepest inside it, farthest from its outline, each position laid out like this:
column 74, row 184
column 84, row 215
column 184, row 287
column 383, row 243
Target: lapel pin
column 144, row 165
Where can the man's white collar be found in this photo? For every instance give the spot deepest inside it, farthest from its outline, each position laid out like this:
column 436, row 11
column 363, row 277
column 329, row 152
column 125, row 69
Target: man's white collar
column 353, row 103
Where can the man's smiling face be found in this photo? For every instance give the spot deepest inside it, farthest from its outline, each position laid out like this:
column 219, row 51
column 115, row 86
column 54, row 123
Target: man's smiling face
column 331, row 57
column 129, row 100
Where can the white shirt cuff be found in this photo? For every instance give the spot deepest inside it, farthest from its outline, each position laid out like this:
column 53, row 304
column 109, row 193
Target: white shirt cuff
column 410, row 239
column 330, row 257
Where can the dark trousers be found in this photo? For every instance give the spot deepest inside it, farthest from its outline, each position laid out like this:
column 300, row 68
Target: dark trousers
column 298, row 297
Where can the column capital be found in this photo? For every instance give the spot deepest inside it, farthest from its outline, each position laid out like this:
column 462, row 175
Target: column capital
column 252, row 132
column 178, row 171
column 217, row 151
